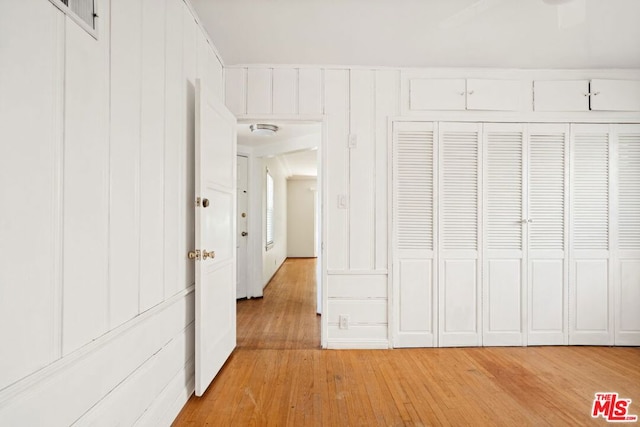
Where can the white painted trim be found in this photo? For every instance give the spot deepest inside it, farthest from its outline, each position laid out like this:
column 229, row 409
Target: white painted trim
column 358, row 345
column 357, row 272
column 521, row 117
column 29, row 381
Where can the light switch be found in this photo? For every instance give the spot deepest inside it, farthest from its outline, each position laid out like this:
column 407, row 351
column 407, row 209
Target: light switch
column 353, row 140
column 342, row 201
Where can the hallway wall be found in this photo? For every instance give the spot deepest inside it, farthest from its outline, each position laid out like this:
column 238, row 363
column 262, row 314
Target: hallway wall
column 301, row 216
column 96, row 182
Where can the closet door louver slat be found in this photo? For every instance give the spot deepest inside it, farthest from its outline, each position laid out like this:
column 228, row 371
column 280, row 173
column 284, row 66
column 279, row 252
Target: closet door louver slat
column 414, row 163
column 460, row 190
column 546, row 191
column 629, row 191
column 504, row 190
column 591, row 191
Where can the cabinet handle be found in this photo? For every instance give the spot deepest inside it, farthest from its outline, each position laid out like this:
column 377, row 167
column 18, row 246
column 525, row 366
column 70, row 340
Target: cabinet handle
column 596, row 94
column 470, row 92
column 462, row 93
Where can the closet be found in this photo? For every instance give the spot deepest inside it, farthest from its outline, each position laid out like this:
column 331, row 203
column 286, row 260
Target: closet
column 509, row 234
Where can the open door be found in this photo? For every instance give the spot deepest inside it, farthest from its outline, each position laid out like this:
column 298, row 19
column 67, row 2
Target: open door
column 215, row 222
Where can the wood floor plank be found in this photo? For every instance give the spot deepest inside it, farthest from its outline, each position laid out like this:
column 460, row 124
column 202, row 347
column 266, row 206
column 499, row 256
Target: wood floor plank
column 279, row 376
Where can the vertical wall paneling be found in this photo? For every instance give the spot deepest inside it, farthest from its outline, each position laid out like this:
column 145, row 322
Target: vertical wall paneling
column 125, row 162
column 387, row 99
column 235, row 90
column 310, row 91
column 590, row 283
column 152, row 138
column 285, row 91
column 504, row 240
column 547, row 260
column 86, row 178
column 414, row 234
column 259, row 91
column 174, row 135
column 337, row 109
column 460, row 210
column 187, row 197
column 362, row 174
column 30, row 117
column 627, row 277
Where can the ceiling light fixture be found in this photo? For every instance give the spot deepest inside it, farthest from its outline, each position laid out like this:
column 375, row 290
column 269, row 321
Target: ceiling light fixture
column 263, row 130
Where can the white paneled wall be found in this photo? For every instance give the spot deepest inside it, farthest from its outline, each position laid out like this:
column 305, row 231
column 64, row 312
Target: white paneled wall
column 97, row 189
column 356, row 105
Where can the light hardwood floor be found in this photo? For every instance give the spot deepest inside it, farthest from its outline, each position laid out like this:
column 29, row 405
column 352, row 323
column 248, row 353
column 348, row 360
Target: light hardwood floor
column 279, row 376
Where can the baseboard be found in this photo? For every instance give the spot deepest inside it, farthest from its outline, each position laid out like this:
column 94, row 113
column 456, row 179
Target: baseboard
column 358, row 345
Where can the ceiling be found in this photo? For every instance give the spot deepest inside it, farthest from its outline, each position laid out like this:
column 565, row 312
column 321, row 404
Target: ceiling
column 300, row 162
column 426, row 33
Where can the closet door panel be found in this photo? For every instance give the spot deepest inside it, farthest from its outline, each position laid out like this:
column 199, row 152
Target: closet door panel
column 627, row 305
column 548, row 187
column 504, row 240
column 590, row 273
column 414, row 180
column 459, row 240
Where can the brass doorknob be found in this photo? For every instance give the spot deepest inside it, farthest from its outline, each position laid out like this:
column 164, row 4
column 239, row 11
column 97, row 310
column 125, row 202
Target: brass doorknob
column 211, row 254
column 244, row 233
column 194, row 254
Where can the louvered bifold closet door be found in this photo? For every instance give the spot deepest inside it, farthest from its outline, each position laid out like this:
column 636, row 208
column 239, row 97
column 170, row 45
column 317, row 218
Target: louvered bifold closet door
column 414, row 231
column 590, row 272
column 459, row 196
column 504, row 239
column 547, row 260
column 627, row 301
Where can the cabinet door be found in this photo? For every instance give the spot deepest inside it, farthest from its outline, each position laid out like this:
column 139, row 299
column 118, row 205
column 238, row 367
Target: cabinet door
column 459, row 213
column 548, row 189
column 561, row 95
column 437, row 94
column 414, row 163
column 590, row 290
column 615, row 95
column 503, row 272
column 494, row 95
column 627, row 319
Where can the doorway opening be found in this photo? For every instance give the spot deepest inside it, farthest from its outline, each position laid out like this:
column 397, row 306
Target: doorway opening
column 280, row 194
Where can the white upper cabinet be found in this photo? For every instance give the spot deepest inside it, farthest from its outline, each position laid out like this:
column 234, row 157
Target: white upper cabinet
column 585, row 95
column 437, row 94
column 461, row 94
column 494, row 95
column 615, row 95
column 561, row 95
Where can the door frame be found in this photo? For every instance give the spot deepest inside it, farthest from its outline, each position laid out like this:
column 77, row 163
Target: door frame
column 254, row 243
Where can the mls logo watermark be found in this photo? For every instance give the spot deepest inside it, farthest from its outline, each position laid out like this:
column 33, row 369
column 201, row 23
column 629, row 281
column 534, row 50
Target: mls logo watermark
column 612, row 408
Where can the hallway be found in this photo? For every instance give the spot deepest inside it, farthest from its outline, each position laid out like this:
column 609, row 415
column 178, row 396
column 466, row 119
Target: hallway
column 278, row 375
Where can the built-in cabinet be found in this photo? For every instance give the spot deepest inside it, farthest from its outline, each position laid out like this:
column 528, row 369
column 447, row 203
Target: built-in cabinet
column 465, row 94
column 585, row 95
column 516, row 234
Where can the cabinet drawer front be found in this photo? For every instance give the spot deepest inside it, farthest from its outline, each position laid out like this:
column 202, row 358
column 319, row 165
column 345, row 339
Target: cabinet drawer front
column 437, row 94
column 561, row 95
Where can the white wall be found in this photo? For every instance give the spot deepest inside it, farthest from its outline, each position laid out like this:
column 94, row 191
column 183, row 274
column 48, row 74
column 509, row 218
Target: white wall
column 301, row 217
column 97, row 189
column 273, row 258
column 357, row 104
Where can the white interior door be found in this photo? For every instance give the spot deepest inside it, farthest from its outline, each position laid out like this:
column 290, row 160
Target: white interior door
column 460, row 208
column 504, row 236
column 547, row 259
column 414, row 229
column 241, row 230
column 215, row 222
